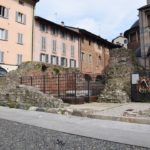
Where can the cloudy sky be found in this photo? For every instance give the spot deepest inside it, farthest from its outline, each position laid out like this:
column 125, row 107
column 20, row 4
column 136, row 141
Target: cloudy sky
column 107, row 18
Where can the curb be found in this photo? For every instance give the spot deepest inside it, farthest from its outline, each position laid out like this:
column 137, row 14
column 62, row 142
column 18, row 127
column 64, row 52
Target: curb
column 122, row 119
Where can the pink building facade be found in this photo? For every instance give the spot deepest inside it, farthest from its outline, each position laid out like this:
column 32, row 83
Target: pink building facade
column 55, row 44
column 16, row 28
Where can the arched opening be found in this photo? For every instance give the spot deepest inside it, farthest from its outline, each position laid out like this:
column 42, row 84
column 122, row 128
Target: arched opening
column 87, row 77
column 3, row 72
column 100, row 78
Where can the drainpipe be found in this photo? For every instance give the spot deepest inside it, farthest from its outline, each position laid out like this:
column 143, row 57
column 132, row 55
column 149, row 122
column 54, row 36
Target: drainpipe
column 80, row 53
column 32, row 33
column 143, row 41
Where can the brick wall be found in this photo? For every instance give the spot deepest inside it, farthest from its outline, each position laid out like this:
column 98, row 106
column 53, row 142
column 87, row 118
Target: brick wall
column 99, row 57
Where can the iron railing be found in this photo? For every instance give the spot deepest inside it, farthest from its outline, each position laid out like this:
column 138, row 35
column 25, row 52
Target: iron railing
column 71, row 87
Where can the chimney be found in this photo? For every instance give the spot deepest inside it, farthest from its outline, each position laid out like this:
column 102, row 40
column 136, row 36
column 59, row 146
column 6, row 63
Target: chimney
column 121, row 34
column 148, row 2
column 62, row 23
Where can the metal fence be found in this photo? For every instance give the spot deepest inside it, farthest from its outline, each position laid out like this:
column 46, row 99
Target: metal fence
column 72, row 88
column 140, row 87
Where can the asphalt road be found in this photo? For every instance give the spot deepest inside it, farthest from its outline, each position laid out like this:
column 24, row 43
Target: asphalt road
column 121, row 132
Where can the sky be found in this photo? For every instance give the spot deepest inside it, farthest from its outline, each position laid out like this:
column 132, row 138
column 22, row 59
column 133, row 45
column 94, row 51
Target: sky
column 106, row 18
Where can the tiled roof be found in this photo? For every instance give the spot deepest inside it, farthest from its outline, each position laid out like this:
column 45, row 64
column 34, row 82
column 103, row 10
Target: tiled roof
column 136, row 24
column 144, row 7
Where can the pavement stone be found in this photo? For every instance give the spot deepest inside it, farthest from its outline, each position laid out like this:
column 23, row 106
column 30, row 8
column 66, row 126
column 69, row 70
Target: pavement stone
column 128, row 112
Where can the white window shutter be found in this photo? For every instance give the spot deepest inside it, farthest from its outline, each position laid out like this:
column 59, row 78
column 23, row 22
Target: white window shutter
column 6, row 34
column 24, row 19
column 17, row 16
column 6, row 12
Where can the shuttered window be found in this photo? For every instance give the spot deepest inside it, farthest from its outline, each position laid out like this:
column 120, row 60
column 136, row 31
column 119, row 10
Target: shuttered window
column 43, row 27
column 54, row 60
column 63, row 49
column 4, row 12
column 43, row 44
column 44, row 58
column 63, row 61
column 72, row 63
column 20, row 38
column 20, row 17
column 72, row 51
column 54, row 46
column 19, row 59
column 1, row 57
column 3, row 34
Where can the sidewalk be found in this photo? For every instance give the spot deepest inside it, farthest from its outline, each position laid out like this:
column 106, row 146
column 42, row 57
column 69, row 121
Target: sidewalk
column 128, row 112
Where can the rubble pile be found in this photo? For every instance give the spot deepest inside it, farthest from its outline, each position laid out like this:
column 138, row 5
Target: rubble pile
column 117, row 88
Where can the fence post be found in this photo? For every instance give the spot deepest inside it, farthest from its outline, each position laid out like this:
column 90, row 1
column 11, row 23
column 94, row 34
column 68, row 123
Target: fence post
column 43, row 83
column 58, row 86
column 75, row 87
column 88, row 91
column 31, row 80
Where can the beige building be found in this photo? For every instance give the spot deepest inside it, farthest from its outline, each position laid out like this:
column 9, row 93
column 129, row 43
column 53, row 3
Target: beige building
column 16, row 28
column 121, row 41
column 55, row 44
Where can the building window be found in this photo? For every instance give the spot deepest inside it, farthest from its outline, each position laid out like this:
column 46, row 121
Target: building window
column 43, row 43
column 19, row 59
column 90, row 58
column 63, row 49
column 54, row 46
column 82, row 56
column 72, row 37
column 63, row 62
column 3, row 34
column 63, row 35
column 72, row 63
column 21, row 18
column 1, row 57
column 44, row 58
column 54, row 60
column 89, row 42
column 20, row 38
column 99, row 60
column 54, row 31
column 125, row 41
column 21, row 2
column 43, row 27
column 133, row 37
column 3, row 12
column 72, row 51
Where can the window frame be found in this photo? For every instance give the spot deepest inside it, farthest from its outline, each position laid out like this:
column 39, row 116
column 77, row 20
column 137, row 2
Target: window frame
column 4, row 12
column 3, row 34
column 20, row 18
column 19, row 59
column 72, row 54
column 20, row 38
column 1, row 57
column 43, row 43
